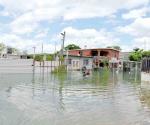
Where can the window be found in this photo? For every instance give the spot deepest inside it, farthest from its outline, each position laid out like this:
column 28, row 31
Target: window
column 69, row 61
column 74, row 63
column 85, row 62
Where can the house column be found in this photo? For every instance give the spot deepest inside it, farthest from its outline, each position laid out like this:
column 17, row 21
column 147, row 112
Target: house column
column 99, row 53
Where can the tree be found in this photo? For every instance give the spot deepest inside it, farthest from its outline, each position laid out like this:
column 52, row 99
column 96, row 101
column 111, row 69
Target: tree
column 146, row 54
column 14, row 50
column 72, row 46
column 11, row 50
column 39, row 57
column 136, row 55
column 2, row 47
column 115, row 47
column 49, row 57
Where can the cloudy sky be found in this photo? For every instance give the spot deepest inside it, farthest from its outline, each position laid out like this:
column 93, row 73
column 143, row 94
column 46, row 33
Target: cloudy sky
column 94, row 23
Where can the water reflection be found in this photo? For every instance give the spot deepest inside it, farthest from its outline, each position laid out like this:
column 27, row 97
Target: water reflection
column 145, row 95
column 105, row 97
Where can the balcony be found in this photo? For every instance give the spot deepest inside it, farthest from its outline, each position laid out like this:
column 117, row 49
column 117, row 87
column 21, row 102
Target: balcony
column 97, row 58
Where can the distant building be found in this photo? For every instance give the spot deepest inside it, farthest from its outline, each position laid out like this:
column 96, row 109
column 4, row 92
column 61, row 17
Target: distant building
column 124, row 56
column 9, row 54
column 98, row 55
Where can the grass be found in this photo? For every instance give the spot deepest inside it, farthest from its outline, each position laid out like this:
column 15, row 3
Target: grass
column 60, row 69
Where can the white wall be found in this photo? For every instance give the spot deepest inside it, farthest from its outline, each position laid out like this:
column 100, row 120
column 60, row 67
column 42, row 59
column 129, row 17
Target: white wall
column 78, row 63
column 24, row 66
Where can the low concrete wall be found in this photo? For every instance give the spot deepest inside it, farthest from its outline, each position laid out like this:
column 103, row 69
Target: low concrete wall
column 25, row 66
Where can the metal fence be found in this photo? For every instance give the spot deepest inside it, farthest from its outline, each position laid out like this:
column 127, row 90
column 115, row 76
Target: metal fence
column 131, row 66
column 146, row 64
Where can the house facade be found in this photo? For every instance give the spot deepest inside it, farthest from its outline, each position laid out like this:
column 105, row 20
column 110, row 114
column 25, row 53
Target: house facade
column 99, row 56
column 77, row 62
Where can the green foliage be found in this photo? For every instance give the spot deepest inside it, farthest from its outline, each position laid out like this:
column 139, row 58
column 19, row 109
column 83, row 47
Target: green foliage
column 105, row 75
column 114, row 47
column 146, row 54
column 29, row 56
column 105, row 62
column 49, row 57
column 11, row 50
column 136, row 55
column 14, row 50
column 72, row 46
column 2, row 47
column 38, row 57
column 61, row 58
column 60, row 69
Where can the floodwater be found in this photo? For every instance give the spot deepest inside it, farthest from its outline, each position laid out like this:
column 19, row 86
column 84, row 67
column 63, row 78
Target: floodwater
column 103, row 98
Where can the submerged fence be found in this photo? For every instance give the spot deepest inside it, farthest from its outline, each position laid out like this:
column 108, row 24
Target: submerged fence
column 146, row 64
column 26, row 66
column 131, row 66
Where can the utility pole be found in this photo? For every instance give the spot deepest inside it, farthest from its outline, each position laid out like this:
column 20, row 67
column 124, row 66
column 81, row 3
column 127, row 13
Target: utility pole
column 63, row 42
column 34, row 52
column 55, row 51
column 34, row 55
column 42, row 48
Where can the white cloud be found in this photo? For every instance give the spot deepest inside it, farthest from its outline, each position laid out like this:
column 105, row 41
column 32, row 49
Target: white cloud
column 136, row 13
column 29, row 21
column 77, row 7
column 28, row 14
column 41, row 35
column 90, row 37
column 140, row 28
column 27, row 44
column 142, row 42
column 99, row 8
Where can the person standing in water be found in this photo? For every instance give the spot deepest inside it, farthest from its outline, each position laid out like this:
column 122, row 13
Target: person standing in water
column 84, row 71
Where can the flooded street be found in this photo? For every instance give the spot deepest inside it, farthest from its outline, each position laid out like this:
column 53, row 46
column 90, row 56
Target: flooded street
column 103, row 98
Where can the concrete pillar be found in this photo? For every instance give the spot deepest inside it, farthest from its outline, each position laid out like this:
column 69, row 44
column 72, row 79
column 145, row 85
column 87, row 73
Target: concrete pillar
column 99, row 58
column 99, row 53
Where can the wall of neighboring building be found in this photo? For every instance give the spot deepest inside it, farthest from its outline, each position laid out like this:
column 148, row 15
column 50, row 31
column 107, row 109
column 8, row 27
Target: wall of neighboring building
column 124, row 56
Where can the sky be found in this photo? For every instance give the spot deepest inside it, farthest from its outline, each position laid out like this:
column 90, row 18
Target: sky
column 91, row 23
